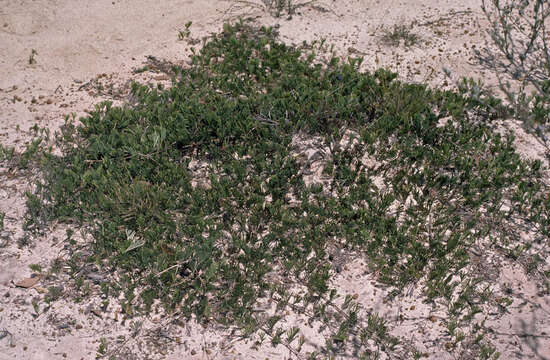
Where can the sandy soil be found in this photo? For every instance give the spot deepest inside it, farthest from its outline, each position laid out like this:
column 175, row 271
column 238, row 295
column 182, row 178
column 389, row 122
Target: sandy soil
column 54, row 54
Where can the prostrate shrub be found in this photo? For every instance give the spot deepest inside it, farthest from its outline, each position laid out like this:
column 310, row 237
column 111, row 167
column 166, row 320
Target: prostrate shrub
column 249, row 228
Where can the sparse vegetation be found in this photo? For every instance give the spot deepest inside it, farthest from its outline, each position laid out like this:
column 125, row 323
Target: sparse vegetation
column 184, row 34
column 276, row 8
column 400, row 35
column 518, row 30
column 36, row 268
column 403, row 189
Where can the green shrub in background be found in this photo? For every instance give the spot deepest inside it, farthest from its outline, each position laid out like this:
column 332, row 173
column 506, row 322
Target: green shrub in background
column 256, row 231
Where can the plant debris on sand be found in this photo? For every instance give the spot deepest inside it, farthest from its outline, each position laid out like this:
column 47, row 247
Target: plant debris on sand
column 201, row 197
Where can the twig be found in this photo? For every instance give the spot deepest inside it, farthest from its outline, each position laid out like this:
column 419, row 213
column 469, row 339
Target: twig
column 450, row 16
column 178, row 265
column 138, row 332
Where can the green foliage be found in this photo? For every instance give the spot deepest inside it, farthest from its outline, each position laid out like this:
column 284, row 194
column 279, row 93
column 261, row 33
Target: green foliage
column 6, row 153
column 102, row 348
column 255, row 227
column 184, row 34
column 36, row 268
column 32, row 153
column 54, row 293
column 400, row 34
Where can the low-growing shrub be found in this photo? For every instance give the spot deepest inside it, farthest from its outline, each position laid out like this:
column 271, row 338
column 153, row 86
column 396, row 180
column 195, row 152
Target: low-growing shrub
column 214, row 244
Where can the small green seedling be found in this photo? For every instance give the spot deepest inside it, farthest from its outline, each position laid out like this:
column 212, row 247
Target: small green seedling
column 184, row 34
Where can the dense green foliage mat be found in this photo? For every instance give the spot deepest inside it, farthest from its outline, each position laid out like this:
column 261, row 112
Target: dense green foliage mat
column 252, row 229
